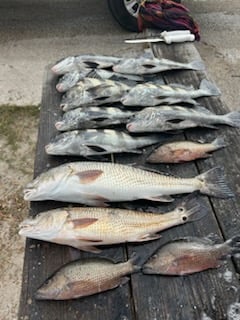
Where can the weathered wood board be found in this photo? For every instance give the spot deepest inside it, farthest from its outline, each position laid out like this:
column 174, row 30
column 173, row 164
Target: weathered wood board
column 209, row 293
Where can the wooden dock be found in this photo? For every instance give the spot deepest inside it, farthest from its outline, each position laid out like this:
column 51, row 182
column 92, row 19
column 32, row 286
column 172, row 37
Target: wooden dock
column 212, row 293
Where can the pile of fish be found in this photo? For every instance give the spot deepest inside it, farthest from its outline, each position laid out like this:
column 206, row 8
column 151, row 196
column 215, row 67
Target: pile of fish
column 106, row 103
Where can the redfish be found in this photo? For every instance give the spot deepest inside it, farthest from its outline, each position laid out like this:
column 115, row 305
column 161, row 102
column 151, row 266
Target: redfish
column 96, row 183
column 84, row 228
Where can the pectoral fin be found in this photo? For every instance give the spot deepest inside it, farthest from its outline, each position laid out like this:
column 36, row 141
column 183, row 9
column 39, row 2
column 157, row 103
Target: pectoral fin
column 160, row 198
column 148, row 237
column 83, row 222
column 89, row 249
column 89, row 176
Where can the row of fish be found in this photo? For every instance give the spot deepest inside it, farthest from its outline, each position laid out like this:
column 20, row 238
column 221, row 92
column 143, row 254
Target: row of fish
column 94, row 92
column 184, row 256
column 94, row 142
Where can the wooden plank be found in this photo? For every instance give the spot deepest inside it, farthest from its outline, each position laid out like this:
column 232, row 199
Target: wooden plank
column 208, row 293
column 42, row 258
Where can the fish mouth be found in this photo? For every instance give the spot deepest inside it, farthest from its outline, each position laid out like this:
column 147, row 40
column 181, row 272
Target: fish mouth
column 28, row 193
column 49, row 148
column 130, row 127
column 60, row 87
column 59, row 125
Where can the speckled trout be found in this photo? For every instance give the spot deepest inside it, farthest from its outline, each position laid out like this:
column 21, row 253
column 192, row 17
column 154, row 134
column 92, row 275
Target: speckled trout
column 86, row 277
column 96, row 183
column 84, row 228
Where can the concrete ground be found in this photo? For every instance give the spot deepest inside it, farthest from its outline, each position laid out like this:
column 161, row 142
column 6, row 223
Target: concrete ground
column 34, row 33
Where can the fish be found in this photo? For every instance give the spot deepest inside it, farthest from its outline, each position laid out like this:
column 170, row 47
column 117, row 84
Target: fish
column 182, row 151
column 142, row 65
column 97, row 183
column 92, row 142
column 92, row 117
column 190, row 255
column 85, row 277
column 93, row 92
column 70, row 79
column 149, row 94
column 165, row 118
column 77, row 63
column 86, row 228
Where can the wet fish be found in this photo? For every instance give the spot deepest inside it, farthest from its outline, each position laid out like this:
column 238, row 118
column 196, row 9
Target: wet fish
column 159, row 119
column 93, row 92
column 190, row 255
column 92, row 117
column 181, row 151
column 97, row 142
column 84, row 228
column 72, row 63
column 149, row 94
column 70, row 79
column 142, row 65
column 96, row 183
column 86, row 277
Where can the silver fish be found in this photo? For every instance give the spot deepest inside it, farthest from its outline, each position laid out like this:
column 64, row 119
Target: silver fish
column 86, row 277
column 85, row 228
column 95, row 183
column 70, row 79
column 92, row 117
column 149, row 94
column 190, row 255
column 141, row 66
column 78, row 63
column 159, row 119
column 93, row 92
column 97, row 142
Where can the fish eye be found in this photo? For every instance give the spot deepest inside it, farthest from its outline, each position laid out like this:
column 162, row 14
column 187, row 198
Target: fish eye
column 184, row 218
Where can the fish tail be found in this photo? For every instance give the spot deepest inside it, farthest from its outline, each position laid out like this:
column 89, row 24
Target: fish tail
column 192, row 208
column 197, row 65
column 234, row 244
column 210, row 88
column 219, row 143
column 232, row 119
column 134, row 261
column 213, row 183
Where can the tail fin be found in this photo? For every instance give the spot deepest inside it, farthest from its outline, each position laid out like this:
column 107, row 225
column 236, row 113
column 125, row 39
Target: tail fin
column 209, row 88
column 219, row 143
column 192, row 208
column 197, row 65
column 213, row 183
column 135, row 262
column 234, row 244
column 232, row 119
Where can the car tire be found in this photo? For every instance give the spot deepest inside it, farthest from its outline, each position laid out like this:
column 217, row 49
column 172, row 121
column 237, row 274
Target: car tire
column 122, row 15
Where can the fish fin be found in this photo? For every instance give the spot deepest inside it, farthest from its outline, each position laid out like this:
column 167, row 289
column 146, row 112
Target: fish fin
column 97, row 202
column 234, row 244
column 192, row 208
column 197, row 65
column 83, row 222
column 162, row 198
column 88, row 176
column 94, row 74
column 210, row 88
column 90, row 240
column 213, row 183
column 219, row 143
column 210, row 126
column 135, row 260
column 148, row 237
column 88, row 248
column 232, row 119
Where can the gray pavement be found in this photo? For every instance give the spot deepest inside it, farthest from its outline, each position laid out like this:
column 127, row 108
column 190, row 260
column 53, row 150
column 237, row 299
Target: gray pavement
column 35, row 33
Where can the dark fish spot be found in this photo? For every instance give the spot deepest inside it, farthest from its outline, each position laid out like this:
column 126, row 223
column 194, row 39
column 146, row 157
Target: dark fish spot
column 184, row 218
column 148, row 66
column 175, row 121
column 96, row 148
